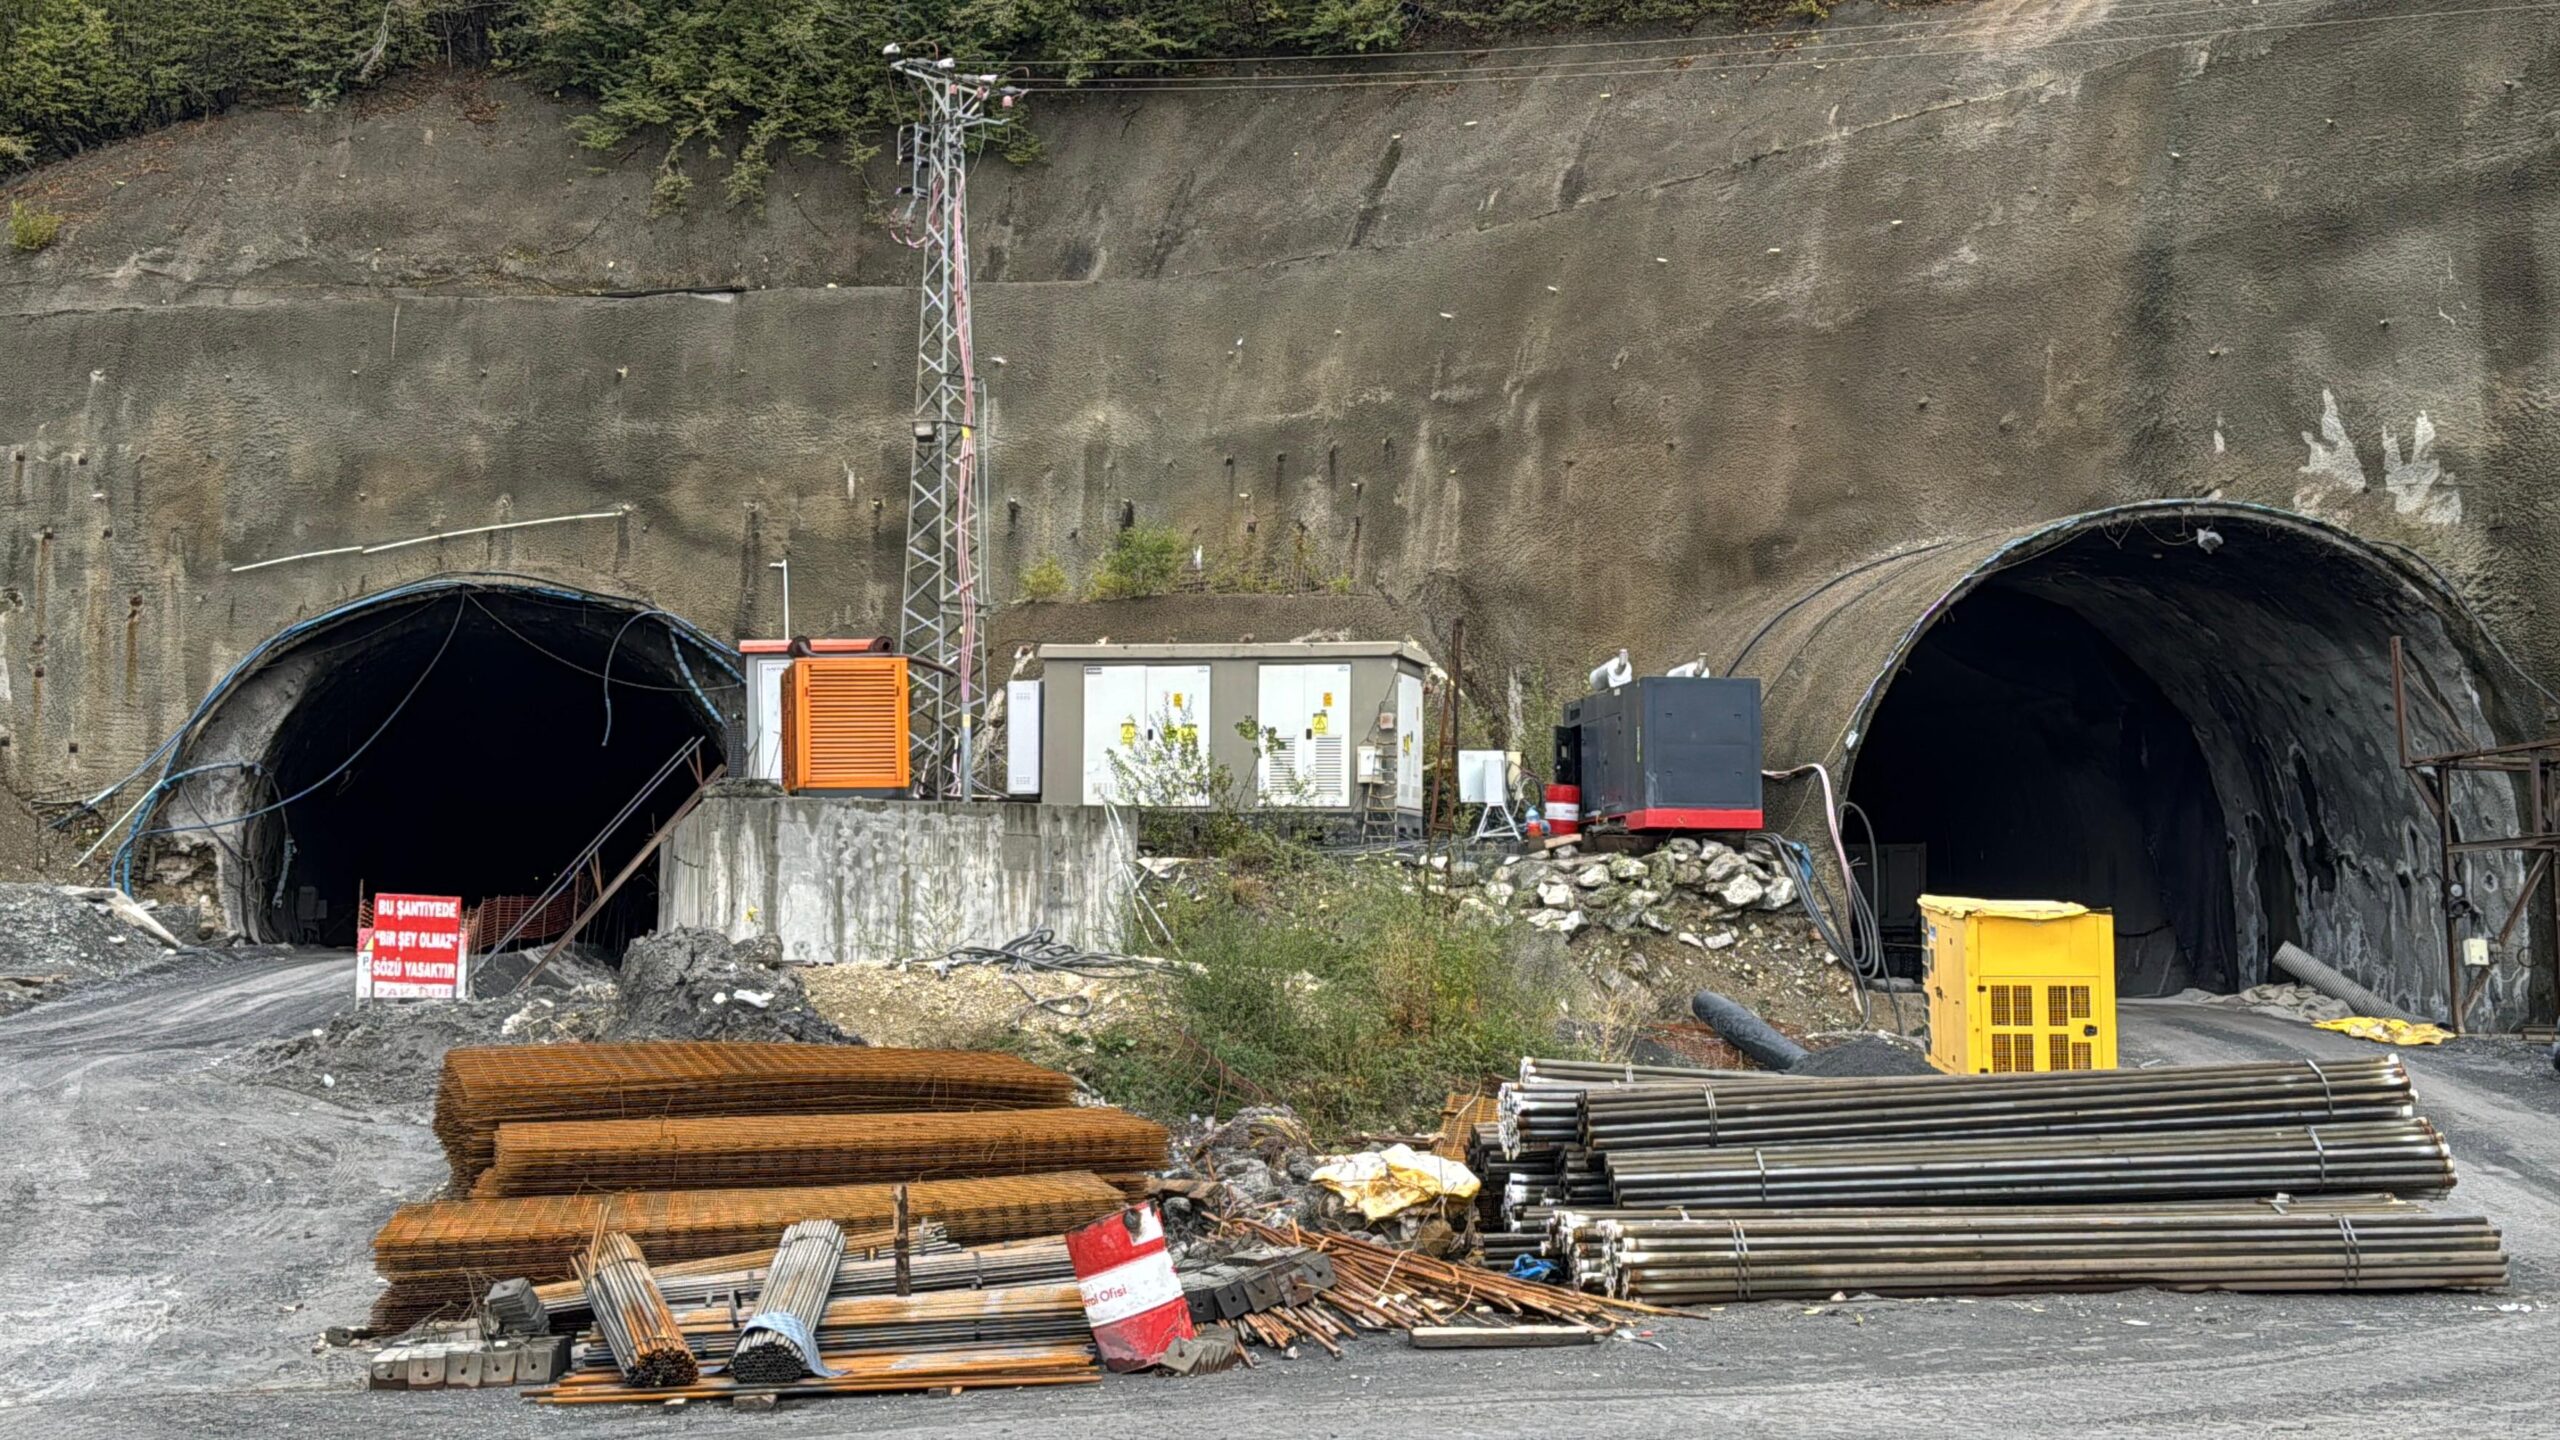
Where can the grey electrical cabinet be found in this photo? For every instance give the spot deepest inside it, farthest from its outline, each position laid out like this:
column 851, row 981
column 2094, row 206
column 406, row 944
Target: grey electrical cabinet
column 1322, row 729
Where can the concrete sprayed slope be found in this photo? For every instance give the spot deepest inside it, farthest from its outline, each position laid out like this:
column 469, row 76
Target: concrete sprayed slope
column 1670, row 342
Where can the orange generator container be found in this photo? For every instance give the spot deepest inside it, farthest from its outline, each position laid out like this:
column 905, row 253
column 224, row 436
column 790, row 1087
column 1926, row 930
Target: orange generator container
column 844, row 724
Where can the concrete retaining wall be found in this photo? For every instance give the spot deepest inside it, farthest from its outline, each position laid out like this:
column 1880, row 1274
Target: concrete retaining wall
column 877, row 880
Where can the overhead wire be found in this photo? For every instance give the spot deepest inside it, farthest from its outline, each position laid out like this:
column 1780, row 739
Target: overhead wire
column 1690, row 64
column 124, row 852
column 528, row 587
column 588, row 670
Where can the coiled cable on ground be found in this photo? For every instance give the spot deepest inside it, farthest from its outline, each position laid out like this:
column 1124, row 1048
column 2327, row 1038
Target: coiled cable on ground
column 1042, row 952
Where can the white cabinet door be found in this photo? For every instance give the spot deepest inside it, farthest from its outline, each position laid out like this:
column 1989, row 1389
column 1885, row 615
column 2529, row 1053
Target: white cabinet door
column 1022, row 738
column 764, row 716
column 1115, row 705
column 1410, row 754
column 1324, row 764
column 1177, row 725
column 1275, row 716
column 1306, row 709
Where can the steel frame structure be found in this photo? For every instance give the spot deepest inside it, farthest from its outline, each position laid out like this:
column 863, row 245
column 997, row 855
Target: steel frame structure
column 946, row 497
column 2537, row 763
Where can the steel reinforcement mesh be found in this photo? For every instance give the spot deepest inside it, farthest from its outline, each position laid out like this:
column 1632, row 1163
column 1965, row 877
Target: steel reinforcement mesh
column 484, row 1087
column 683, row 1153
column 447, row 1252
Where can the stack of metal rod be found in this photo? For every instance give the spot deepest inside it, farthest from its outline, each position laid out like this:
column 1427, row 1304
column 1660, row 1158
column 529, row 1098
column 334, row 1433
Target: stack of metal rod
column 2352, row 1243
column 1712, row 1150
column 1716, row 1112
column 639, row 1331
column 2404, row 1157
column 780, row 1342
column 933, row 1263
column 941, row 1320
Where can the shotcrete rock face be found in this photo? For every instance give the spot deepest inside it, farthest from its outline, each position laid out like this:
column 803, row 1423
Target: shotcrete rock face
column 2189, row 719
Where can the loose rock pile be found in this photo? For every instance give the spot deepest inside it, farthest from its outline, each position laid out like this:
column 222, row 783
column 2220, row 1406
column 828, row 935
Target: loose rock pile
column 678, row 985
column 1684, row 881
column 54, row 941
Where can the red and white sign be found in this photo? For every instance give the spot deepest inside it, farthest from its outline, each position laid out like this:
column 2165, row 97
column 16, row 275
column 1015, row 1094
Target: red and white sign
column 1131, row 1297
column 413, row 950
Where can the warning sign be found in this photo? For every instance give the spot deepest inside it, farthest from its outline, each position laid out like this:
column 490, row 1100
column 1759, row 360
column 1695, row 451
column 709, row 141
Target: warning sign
column 413, row 949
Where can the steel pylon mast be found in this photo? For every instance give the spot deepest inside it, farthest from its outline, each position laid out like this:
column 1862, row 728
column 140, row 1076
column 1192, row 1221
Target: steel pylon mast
column 946, row 497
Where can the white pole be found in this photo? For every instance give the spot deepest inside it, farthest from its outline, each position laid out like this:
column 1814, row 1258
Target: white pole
column 785, row 567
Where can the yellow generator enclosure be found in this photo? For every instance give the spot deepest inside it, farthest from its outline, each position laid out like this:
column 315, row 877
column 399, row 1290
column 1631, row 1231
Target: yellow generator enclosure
column 2017, row 986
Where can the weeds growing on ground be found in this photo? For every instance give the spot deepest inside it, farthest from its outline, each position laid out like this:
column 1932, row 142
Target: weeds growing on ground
column 1339, row 988
column 32, row 227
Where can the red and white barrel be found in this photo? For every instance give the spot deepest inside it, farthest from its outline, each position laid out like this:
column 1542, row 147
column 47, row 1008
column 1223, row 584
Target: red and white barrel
column 1564, row 809
column 1131, row 1297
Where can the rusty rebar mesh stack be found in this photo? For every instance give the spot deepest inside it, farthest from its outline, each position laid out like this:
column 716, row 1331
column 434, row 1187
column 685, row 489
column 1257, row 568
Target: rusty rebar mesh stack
column 780, row 1344
column 484, row 1087
column 685, row 1153
column 638, row 1329
column 445, row 1253
column 1705, row 1258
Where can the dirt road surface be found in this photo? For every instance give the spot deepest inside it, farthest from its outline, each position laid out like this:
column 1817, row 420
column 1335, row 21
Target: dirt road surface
column 174, row 1238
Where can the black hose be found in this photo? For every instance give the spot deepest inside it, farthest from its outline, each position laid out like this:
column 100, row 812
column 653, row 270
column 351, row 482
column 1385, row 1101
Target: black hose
column 1743, row 1028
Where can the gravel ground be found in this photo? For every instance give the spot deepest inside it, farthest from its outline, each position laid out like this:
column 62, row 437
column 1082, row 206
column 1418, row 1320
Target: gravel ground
column 179, row 1238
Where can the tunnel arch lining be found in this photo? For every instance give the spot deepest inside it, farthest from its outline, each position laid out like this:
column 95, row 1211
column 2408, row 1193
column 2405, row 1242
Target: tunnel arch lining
column 248, row 734
column 2286, row 593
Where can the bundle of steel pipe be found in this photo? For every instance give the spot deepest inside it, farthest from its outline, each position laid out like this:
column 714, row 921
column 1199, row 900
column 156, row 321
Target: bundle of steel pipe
column 940, row 1320
column 780, row 1342
column 1534, row 1071
column 571, row 1157
column 639, row 1331
column 2406, row 1157
column 1747, row 1255
column 1716, row 1113
column 1548, row 1111
column 443, row 1253
column 485, row 1086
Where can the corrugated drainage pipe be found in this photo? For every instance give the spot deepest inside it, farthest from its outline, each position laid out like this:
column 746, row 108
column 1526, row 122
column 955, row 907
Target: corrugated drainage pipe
column 1742, row 1026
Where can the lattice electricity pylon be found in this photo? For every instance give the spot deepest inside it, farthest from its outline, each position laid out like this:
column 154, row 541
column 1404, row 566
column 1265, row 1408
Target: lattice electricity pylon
column 946, row 499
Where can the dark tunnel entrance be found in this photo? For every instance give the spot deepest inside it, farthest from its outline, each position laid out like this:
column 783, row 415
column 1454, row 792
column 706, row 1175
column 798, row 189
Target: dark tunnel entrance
column 2025, row 756
column 468, row 742
column 2186, row 719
